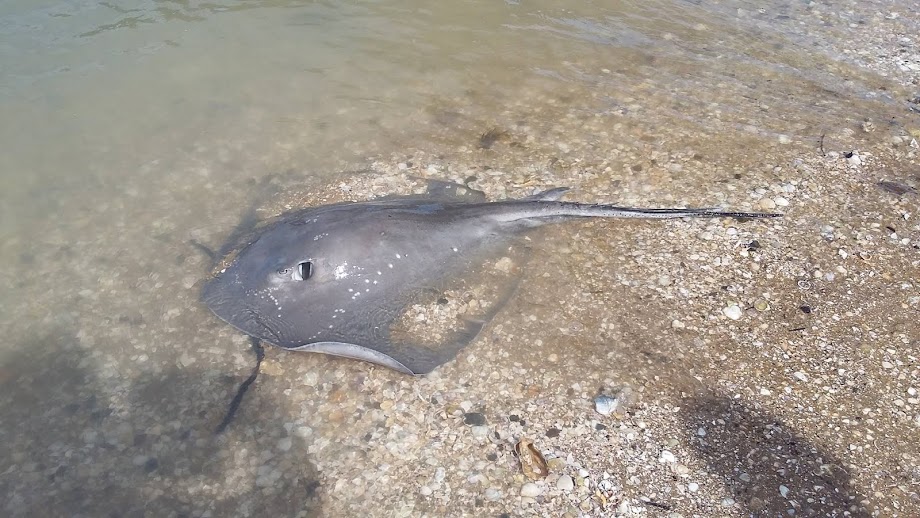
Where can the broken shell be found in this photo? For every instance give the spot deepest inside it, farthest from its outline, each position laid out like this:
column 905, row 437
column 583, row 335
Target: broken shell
column 532, row 462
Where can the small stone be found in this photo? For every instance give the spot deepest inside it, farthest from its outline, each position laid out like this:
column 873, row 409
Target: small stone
column 186, row 360
column 765, row 392
column 693, row 487
column 728, row 502
column 555, row 464
column 285, row 444
column 530, row 490
column 783, row 491
column 744, row 477
column 767, row 204
column 761, row 305
column 784, row 139
column 604, row 405
column 565, row 483
column 887, row 365
column 677, row 324
column 668, row 457
column 781, row 202
column 474, row 418
column 425, row 491
column 480, row 432
column 493, row 495
column 733, row 312
column 854, row 160
column 799, row 375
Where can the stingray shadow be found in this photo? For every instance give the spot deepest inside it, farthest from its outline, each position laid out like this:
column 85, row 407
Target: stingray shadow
column 75, row 440
column 776, row 459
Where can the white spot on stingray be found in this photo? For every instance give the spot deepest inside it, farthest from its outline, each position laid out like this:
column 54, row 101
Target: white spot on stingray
column 454, row 249
column 398, row 256
column 379, row 272
column 375, row 282
column 367, row 290
column 389, row 265
column 350, row 290
column 340, row 272
column 366, row 281
column 330, row 326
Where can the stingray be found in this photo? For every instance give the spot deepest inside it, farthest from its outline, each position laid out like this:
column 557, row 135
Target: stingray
column 338, row 279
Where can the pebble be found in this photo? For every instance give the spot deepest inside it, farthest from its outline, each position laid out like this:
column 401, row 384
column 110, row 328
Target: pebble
column 693, row 487
column 425, row 491
column 784, row 139
column 854, row 160
column 474, row 418
column 555, row 464
column 744, row 477
column 480, row 432
column 887, row 365
column 493, row 495
column 285, row 444
column 605, row 405
column 761, row 305
column 767, row 204
column 667, row 456
column 565, row 483
column 530, row 490
column 781, row 202
column 783, row 491
column 733, row 312
column 728, row 502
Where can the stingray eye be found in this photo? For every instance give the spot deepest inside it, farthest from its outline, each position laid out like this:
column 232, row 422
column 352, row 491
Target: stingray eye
column 303, row 271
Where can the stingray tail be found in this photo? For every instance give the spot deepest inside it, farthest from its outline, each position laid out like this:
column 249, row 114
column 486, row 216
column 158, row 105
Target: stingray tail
column 238, row 398
column 546, row 210
column 612, row 211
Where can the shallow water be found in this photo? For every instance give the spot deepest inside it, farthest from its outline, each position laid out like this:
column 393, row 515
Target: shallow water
column 130, row 128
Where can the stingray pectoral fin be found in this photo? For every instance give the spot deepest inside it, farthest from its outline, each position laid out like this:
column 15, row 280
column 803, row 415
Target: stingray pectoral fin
column 355, row 352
